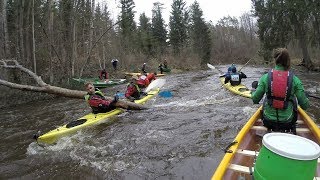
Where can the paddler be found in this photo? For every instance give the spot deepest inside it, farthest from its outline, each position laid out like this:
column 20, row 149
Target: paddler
column 229, row 70
column 133, row 91
column 234, row 77
column 144, row 80
column 283, row 92
column 104, row 75
column 95, row 98
column 143, row 68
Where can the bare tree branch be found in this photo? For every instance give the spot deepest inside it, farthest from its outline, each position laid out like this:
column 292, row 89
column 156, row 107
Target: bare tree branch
column 16, row 65
column 93, row 46
column 46, row 88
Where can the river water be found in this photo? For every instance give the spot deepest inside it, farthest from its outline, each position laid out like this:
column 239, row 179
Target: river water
column 181, row 137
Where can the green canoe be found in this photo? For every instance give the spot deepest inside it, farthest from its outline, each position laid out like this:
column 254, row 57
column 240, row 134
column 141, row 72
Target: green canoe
column 100, row 83
column 165, row 69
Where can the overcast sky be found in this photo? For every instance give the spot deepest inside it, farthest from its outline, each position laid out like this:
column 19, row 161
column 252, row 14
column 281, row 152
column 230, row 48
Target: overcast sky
column 213, row 10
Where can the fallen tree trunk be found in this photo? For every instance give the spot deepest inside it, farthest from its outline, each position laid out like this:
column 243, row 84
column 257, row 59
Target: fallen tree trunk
column 46, row 88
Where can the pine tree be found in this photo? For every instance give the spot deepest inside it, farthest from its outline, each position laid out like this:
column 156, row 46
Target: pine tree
column 144, row 34
column 127, row 25
column 159, row 31
column 178, row 26
column 281, row 21
column 200, row 38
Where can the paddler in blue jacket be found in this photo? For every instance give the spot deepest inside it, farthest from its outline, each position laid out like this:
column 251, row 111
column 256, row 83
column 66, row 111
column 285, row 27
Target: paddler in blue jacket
column 95, row 98
column 234, row 77
column 229, row 70
column 284, row 91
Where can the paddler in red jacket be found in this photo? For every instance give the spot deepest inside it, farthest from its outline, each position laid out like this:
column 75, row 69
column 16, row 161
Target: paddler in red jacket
column 104, row 75
column 133, row 90
column 95, row 98
column 144, row 81
column 151, row 77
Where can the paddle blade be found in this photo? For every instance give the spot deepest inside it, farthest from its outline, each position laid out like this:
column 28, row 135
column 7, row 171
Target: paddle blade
column 165, row 94
column 210, row 66
column 121, row 95
column 158, row 83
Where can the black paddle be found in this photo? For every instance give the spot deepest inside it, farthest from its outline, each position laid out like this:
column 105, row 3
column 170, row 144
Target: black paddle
column 310, row 95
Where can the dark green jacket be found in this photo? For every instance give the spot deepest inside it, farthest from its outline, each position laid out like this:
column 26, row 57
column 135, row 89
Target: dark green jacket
column 285, row 115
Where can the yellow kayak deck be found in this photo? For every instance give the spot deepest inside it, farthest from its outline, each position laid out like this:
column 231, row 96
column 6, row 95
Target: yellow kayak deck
column 85, row 121
column 239, row 89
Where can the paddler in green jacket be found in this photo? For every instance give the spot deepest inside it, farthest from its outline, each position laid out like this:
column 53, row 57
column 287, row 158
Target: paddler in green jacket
column 284, row 91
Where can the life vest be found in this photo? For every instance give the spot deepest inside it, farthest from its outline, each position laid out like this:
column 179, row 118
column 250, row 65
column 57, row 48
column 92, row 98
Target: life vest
column 132, row 90
column 234, row 79
column 97, row 92
column 141, row 83
column 97, row 99
column 279, row 88
column 151, row 77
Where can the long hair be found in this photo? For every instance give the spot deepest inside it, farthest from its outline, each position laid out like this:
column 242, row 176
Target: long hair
column 281, row 57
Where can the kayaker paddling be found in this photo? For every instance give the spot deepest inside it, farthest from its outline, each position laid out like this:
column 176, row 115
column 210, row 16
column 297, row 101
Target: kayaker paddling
column 133, row 91
column 234, row 77
column 144, row 81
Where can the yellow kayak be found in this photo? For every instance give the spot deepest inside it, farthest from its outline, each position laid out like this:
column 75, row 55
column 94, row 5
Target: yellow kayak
column 138, row 74
column 239, row 89
column 85, row 121
column 245, row 154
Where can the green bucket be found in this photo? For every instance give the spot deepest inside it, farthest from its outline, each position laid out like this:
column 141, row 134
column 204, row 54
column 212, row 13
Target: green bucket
column 286, row 156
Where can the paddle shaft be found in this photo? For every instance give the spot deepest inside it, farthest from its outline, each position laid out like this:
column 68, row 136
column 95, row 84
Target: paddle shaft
column 244, row 65
column 316, row 97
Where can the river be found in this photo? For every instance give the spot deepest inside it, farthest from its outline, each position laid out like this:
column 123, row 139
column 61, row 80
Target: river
column 181, row 137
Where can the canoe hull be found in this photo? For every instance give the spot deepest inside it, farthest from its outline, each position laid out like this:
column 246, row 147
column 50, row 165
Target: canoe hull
column 248, row 142
column 166, row 70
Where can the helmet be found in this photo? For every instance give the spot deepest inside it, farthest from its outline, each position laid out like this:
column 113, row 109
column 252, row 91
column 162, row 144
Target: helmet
column 143, row 77
column 144, row 63
column 234, row 69
column 135, row 77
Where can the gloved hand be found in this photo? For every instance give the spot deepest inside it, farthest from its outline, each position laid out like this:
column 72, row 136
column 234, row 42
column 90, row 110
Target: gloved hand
column 131, row 98
column 307, row 94
column 144, row 93
column 116, row 98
